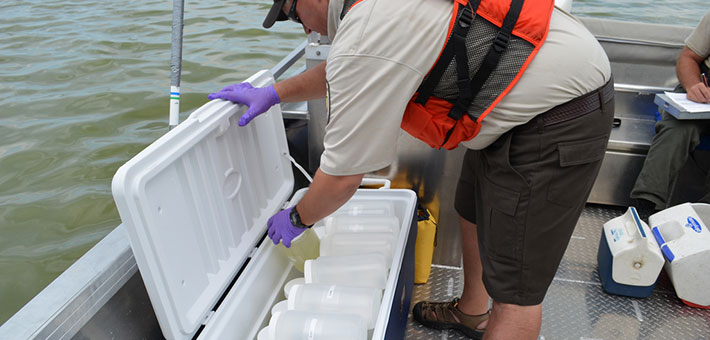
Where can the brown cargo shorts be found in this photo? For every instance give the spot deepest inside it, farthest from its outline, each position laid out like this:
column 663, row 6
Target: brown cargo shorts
column 527, row 190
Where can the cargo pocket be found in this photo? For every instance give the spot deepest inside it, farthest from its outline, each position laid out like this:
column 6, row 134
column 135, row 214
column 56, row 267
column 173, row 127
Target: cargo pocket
column 502, row 226
column 579, row 164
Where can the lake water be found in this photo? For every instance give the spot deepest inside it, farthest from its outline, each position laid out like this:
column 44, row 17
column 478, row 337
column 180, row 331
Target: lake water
column 84, row 87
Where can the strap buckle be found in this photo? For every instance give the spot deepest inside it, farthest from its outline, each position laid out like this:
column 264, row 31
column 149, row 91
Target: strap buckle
column 500, row 42
column 457, row 111
column 466, row 17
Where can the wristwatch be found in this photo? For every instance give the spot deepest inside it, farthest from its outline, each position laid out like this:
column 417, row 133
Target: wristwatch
column 296, row 219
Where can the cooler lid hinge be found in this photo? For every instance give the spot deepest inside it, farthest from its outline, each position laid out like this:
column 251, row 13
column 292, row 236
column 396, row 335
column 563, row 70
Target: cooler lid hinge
column 252, row 252
column 286, row 204
column 208, row 317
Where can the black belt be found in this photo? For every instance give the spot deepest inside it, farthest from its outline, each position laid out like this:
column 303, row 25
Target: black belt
column 579, row 106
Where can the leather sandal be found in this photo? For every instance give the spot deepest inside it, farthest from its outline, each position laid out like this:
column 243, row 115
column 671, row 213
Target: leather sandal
column 446, row 315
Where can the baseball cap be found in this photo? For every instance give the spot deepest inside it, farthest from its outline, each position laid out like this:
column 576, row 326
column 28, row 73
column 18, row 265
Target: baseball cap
column 275, row 14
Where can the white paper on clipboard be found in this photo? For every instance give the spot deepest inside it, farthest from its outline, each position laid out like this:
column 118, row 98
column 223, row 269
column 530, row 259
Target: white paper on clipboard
column 687, row 105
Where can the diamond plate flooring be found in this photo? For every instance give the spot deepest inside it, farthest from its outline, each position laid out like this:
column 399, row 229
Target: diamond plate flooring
column 575, row 306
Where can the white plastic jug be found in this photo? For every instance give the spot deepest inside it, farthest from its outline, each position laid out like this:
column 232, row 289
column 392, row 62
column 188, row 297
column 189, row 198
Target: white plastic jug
column 345, row 223
column 682, row 233
column 289, row 284
column 366, row 208
column 350, row 243
column 636, row 257
column 361, row 301
column 362, row 270
column 263, row 334
column 299, row 325
column 279, row 307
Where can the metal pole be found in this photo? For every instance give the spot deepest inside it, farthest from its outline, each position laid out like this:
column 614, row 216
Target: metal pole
column 176, row 62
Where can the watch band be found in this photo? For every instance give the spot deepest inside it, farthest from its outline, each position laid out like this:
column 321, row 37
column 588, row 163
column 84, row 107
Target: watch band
column 296, row 219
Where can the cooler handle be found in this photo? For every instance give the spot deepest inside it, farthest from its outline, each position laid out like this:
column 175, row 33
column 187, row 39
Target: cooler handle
column 376, row 181
column 637, row 222
column 662, row 243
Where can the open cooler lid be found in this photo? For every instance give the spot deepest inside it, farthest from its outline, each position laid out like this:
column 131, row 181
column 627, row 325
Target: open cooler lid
column 195, row 203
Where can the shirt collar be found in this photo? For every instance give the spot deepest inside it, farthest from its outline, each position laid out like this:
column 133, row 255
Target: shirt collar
column 335, row 8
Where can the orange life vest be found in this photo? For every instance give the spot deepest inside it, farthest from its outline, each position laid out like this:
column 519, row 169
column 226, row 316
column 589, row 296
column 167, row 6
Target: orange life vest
column 446, row 122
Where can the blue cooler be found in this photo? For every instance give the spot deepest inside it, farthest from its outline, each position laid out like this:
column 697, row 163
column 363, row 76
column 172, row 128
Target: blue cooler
column 629, row 258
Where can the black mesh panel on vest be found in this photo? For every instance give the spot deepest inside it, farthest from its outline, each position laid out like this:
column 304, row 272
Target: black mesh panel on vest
column 511, row 61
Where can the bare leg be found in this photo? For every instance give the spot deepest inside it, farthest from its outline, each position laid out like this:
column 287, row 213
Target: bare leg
column 474, row 299
column 514, row 322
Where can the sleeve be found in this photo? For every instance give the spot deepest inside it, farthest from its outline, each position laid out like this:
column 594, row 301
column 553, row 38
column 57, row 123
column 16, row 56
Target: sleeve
column 699, row 40
column 367, row 96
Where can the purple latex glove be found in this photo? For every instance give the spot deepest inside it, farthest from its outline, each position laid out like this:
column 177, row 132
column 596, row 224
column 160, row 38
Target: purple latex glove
column 259, row 99
column 281, row 228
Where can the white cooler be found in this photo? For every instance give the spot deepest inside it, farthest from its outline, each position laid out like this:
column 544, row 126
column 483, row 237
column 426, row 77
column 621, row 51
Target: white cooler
column 195, row 204
column 682, row 233
column 629, row 258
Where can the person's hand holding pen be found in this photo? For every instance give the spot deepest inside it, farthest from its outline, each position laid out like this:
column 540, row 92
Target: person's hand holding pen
column 700, row 92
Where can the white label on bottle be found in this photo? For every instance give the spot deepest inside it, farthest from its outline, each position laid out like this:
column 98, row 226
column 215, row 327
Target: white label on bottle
column 312, row 329
column 331, row 292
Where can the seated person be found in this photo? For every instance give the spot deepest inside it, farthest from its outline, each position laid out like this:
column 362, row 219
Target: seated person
column 676, row 139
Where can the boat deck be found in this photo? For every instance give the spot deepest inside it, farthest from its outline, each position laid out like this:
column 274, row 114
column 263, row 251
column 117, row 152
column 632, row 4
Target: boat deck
column 576, row 307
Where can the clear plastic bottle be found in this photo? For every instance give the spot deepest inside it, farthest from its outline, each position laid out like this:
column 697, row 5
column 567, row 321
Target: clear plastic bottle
column 337, row 299
column 366, row 208
column 304, row 247
column 296, row 324
column 352, row 243
column 360, row 270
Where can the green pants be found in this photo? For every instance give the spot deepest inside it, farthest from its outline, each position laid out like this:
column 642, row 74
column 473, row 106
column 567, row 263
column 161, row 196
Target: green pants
column 674, row 141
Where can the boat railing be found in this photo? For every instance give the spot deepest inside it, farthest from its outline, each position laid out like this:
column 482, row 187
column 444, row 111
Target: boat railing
column 298, row 110
column 62, row 308
column 289, row 60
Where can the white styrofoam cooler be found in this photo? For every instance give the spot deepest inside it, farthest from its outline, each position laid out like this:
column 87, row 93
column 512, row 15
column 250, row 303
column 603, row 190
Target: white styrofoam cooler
column 683, row 235
column 195, row 204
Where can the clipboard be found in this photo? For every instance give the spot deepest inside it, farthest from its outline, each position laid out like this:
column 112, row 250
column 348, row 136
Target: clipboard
column 665, row 103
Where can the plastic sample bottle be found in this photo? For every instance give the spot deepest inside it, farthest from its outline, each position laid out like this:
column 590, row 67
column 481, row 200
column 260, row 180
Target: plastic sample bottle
column 304, row 247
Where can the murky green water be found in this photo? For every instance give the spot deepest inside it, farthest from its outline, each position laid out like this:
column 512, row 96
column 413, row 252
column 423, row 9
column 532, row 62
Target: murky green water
column 669, row 12
column 84, row 87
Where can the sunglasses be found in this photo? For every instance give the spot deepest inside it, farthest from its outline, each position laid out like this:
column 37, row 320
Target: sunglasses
column 292, row 15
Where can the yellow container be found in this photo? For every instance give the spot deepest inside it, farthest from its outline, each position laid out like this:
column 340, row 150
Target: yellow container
column 424, row 247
